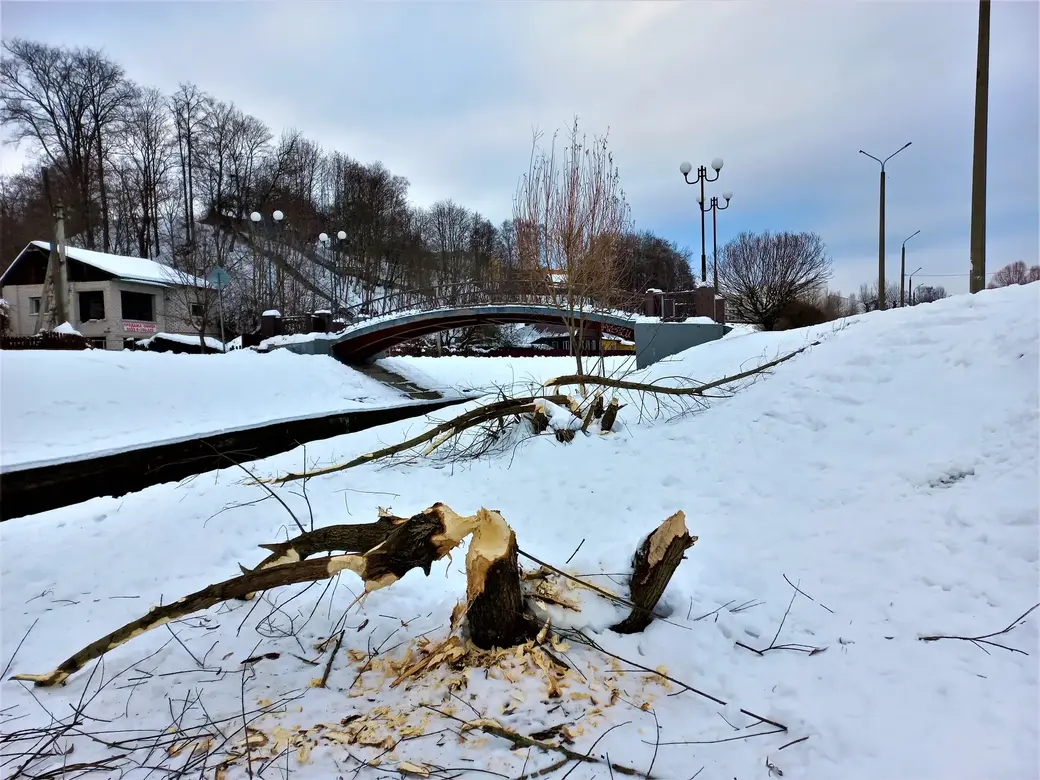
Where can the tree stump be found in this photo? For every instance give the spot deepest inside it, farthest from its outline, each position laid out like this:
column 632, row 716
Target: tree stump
column 495, row 612
column 610, row 415
column 652, row 568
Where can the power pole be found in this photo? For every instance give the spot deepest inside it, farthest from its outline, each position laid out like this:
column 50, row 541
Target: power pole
column 881, row 245
column 978, row 167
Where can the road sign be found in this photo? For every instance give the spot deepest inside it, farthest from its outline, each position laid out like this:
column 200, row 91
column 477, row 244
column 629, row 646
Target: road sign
column 218, row 277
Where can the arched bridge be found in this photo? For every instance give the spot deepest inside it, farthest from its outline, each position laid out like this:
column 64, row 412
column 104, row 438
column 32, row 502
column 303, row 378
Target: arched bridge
column 367, row 340
column 660, row 324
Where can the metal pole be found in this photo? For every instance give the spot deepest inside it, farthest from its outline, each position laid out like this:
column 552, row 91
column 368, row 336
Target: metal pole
column 220, row 308
column 702, row 174
column 715, row 245
column 902, row 275
column 881, row 244
column 978, row 167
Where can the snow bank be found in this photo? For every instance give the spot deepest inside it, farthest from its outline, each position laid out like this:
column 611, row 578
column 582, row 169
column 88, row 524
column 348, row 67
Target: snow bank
column 59, row 405
column 890, row 473
column 182, row 338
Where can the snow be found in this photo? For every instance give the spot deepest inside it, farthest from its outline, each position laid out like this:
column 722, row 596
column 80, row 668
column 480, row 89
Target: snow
column 183, row 338
column 59, row 405
column 271, row 313
column 137, row 269
column 66, row 327
column 889, row 472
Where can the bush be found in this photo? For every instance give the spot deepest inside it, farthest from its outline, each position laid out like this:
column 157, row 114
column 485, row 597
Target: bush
column 801, row 314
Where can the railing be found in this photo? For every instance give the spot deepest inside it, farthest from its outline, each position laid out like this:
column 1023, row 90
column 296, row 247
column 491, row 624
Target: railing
column 465, row 294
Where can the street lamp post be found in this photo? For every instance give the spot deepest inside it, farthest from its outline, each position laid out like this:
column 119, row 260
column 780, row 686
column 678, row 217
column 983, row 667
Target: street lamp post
column 902, row 268
column 715, row 208
column 325, row 241
column 702, row 178
column 881, row 224
column 910, row 286
column 276, row 219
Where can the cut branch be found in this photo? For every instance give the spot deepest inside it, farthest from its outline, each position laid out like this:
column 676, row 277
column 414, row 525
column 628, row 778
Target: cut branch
column 416, row 543
column 624, row 384
column 358, row 538
column 470, row 419
column 653, row 566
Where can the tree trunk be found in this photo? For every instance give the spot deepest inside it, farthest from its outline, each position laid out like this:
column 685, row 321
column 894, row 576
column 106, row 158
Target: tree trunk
column 494, row 602
column 610, row 415
column 652, row 568
column 106, row 236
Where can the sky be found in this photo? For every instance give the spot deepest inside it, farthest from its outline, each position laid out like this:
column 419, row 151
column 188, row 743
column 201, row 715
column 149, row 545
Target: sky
column 786, row 93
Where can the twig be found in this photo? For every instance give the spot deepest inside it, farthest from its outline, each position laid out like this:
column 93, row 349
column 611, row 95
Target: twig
column 10, row 662
column 332, row 657
column 574, row 553
column 814, row 601
column 983, row 639
column 794, row 742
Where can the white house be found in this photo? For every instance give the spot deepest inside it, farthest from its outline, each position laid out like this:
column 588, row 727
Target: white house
column 111, row 298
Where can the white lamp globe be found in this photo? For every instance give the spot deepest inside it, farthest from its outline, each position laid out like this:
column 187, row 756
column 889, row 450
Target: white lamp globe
column 728, row 195
column 700, row 198
column 717, row 164
column 255, row 216
column 342, row 235
column 278, row 216
column 685, row 168
column 323, row 238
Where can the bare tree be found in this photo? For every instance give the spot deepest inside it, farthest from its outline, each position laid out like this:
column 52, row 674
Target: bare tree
column 869, row 298
column 196, row 300
column 928, row 294
column 570, row 216
column 763, row 274
column 1015, row 273
column 190, row 106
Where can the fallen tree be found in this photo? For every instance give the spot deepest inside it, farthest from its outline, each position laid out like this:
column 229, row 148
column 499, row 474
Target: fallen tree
column 494, row 612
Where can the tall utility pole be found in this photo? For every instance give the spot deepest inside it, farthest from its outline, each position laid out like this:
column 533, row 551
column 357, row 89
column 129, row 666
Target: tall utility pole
column 902, row 270
column 881, row 224
column 978, row 165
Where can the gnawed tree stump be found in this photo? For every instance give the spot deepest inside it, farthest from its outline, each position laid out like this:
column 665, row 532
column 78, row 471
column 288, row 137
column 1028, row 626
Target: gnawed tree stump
column 610, row 415
column 539, row 419
column 652, row 568
column 495, row 612
column 415, row 543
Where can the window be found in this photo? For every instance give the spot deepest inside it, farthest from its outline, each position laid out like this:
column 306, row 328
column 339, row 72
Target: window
column 34, row 306
column 99, row 343
column 137, row 306
column 198, row 311
column 91, row 305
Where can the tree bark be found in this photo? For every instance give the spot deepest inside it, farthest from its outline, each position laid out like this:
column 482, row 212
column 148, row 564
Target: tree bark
column 652, row 568
column 495, row 612
column 610, row 415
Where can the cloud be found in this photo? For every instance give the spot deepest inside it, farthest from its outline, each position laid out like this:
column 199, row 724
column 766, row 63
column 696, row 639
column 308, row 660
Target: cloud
column 787, row 93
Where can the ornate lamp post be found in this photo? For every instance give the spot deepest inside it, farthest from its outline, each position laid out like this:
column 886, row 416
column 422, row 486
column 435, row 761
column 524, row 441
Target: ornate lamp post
column 276, row 219
column 714, row 208
column 325, row 241
column 701, row 179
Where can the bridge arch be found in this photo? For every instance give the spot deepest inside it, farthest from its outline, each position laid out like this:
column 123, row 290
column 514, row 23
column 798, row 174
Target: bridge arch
column 367, row 340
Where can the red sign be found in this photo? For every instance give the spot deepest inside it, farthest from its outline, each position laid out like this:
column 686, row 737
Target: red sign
column 139, row 327
column 628, row 334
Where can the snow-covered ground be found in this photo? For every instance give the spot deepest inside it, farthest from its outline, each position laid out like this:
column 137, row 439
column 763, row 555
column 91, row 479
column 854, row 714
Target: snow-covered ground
column 62, row 404
column 890, row 473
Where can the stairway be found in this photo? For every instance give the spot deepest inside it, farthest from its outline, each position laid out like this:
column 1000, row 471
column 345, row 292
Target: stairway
column 396, row 381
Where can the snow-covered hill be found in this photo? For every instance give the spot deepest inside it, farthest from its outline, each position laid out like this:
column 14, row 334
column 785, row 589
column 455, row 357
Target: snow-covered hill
column 889, row 473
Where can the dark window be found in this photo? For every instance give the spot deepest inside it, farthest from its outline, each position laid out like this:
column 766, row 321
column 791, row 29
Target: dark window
column 91, row 305
column 198, row 311
column 99, row 343
column 34, row 305
column 137, row 306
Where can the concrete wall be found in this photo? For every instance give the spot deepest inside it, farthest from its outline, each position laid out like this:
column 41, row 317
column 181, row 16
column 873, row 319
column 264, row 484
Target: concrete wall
column 658, row 340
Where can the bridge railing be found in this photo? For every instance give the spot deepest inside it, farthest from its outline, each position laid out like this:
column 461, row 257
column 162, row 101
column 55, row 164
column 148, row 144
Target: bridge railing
column 464, row 294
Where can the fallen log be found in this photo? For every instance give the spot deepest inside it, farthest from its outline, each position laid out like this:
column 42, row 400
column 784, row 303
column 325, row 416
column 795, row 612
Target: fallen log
column 416, row 543
column 358, row 538
column 652, row 568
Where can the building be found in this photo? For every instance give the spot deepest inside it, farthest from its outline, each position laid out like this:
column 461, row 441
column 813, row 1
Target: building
column 110, row 298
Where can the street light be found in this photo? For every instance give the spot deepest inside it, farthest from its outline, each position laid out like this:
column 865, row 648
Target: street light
column 325, row 241
column 911, row 285
column 881, row 224
column 702, row 177
column 902, row 268
column 715, row 208
column 256, row 218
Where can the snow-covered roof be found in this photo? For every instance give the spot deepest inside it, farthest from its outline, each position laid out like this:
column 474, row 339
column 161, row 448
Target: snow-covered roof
column 134, row 269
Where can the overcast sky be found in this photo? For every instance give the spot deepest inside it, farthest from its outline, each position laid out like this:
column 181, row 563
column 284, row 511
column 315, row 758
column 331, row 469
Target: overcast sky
column 447, row 93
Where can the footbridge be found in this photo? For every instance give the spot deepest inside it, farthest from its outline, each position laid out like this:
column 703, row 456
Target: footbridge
column 655, row 336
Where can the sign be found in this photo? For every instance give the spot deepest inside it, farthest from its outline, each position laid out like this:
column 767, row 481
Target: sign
column 627, row 334
column 218, row 277
column 139, row 327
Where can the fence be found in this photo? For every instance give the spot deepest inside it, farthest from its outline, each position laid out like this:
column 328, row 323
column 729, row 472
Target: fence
column 46, row 340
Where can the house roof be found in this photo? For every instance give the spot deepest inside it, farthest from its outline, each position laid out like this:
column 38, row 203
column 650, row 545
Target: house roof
column 132, row 269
